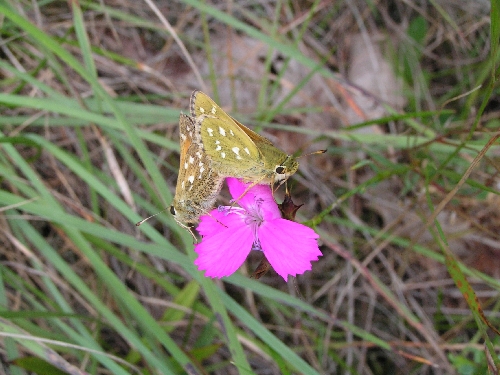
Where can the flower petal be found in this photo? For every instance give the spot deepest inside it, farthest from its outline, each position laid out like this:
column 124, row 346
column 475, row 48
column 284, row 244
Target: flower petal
column 258, row 194
column 222, row 253
column 290, row 247
column 219, row 220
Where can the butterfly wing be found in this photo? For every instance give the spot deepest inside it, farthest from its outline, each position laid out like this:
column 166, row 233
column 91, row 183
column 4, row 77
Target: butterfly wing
column 228, row 143
column 201, row 100
column 198, row 183
column 257, row 138
column 234, row 149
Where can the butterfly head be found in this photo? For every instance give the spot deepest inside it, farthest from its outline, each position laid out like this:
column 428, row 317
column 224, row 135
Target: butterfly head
column 183, row 219
column 182, row 215
column 173, row 211
column 287, row 168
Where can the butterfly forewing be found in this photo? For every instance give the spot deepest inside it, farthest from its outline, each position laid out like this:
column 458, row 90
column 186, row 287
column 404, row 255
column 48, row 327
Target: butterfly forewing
column 201, row 103
column 230, row 148
column 198, row 184
column 255, row 137
column 236, row 150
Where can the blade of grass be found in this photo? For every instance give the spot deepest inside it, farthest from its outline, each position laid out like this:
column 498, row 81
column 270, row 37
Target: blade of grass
column 47, row 42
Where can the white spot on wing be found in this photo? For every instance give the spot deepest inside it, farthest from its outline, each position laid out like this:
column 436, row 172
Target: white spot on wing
column 222, row 132
column 185, row 165
column 183, row 137
column 247, row 150
column 191, row 160
column 236, row 150
column 202, row 110
column 191, row 179
column 223, row 154
column 210, row 132
column 182, row 185
column 231, row 132
column 213, row 110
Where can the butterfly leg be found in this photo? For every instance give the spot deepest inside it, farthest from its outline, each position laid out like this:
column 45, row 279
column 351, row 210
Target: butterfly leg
column 246, row 191
column 195, row 240
column 280, row 183
column 218, row 221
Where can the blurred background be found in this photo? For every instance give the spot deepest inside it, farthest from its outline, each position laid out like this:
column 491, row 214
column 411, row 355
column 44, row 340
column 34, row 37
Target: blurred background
column 402, row 95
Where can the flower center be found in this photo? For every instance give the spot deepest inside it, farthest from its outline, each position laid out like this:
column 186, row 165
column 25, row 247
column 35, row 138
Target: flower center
column 254, row 219
column 253, row 216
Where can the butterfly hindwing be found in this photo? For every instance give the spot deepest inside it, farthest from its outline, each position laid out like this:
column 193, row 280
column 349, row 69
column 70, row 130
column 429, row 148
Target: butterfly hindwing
column 198, row 183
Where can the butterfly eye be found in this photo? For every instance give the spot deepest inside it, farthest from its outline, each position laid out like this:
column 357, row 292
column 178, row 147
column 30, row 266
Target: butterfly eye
column 280, row 169
column 172, row 210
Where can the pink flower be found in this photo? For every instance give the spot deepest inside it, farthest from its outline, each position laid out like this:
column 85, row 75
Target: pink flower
column 229, row 233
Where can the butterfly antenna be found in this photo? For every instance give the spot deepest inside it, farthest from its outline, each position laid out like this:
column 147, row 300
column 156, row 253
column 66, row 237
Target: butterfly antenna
column 312, row 153
column 143, row 220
